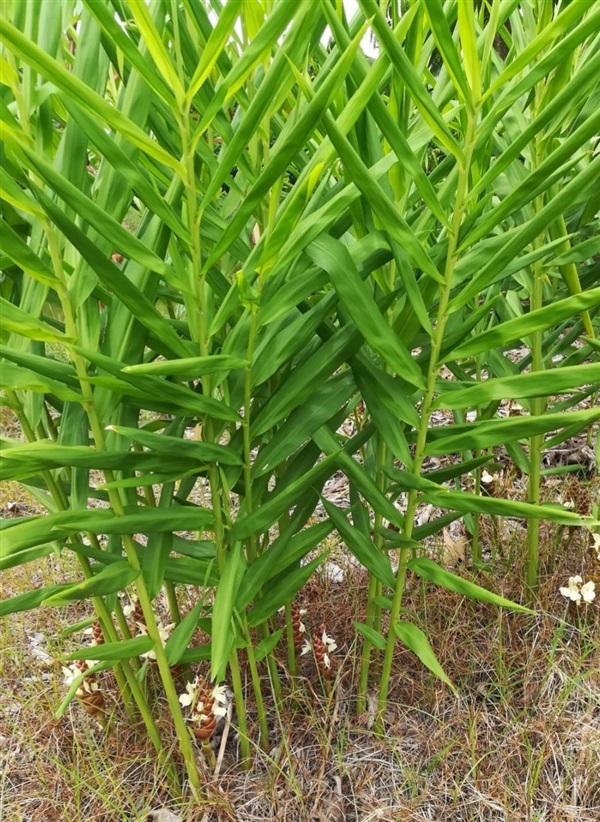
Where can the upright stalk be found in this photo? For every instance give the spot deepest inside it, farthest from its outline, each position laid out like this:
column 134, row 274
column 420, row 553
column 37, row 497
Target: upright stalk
column 426, row 407
column 536, row 442
column 117, row 507
column 198, row 323
column 373, row 616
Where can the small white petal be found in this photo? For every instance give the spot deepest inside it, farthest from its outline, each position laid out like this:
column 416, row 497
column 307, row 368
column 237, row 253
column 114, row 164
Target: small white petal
column 70, row 673
column 571, row 593
column 219, row 710
column 486, row 477
column 302, row 628
column 588, row 591
column 186, row 699
column 326, row 661
column 219, row 694
column 306, row 648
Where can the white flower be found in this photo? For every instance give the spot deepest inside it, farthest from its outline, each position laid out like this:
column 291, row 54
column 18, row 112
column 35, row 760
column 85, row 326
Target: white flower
column 486, row 477
column 568, row 503
column 220, row 695
column 302, row 628
column 188, row 697
column 306, row 648
column 571, row 591
column 71, row 673
column 221, row 700
column 329, row 643
column 578, row 591
column 588, row 591
column 596, row 538
column 164, row 631
column 326, row 661
column 87, row 686
column 130, row 608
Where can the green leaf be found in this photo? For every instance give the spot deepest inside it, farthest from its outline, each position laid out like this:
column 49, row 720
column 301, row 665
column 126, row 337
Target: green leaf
column 73, row 86
column 30, row 600
column 21, row 254
column 363, row 549
column 512, row 330
column 15, row 378
column 23, row 557
column 113, row 577
column 487, row 433
column 179, row 640
column 371, row 635
column 281, row 591
column 416, row 641
column 555, row 380
column 276, row 503
column 114, row 651
column 188, row 449
column 188, row 368
column 17, row 321
column 222, row 631
column 354, row 295
column 475, row 504
column 429, row 570
column 267, row 645
column 447, row 48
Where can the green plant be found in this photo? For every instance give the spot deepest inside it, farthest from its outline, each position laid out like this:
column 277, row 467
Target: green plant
column 314, row 230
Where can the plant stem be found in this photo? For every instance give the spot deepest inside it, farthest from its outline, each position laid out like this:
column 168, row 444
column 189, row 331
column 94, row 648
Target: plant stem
column 117, row 506
column 59, row 496
column 289, row 635
column 240, row 706
column 426, row 407
column 373, row 617
column 536, row 442
column 197, row 285
column 260, row 705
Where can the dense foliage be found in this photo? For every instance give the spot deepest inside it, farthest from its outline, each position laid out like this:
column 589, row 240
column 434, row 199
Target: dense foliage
column 225, row 231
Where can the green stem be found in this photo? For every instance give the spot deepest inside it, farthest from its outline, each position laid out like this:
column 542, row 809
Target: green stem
column 373, row 617
column 172, row 602
column 475, row 535
column 250, row 545
column 59, row 496
column 117, row 507
column 536, row 444
column 240, row 706
column 260, row 705
column 289, row 635
column 426, row 408
column 538, row 404
column 365, row 656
